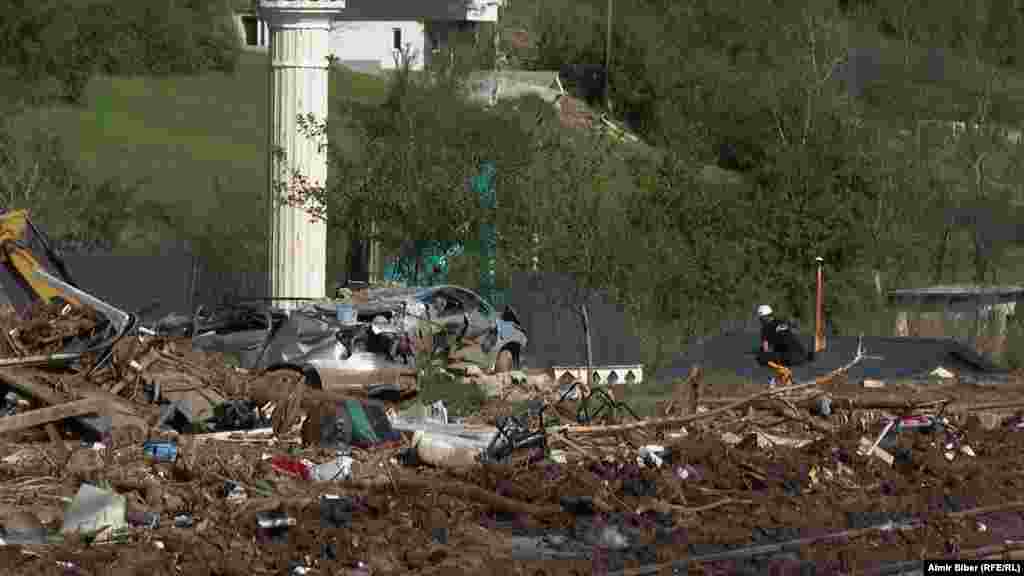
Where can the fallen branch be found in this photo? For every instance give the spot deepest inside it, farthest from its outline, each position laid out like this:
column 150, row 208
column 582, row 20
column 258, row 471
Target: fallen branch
column 707, row 507
column 672, row 422
column 42, row 416
column 786, row 410
column 419, row 485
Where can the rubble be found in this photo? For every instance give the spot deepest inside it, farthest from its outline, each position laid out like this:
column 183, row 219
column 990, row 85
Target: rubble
column 164, row 458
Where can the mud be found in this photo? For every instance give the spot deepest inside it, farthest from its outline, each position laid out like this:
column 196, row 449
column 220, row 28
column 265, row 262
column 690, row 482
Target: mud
column 777, row 495
column 600, row 512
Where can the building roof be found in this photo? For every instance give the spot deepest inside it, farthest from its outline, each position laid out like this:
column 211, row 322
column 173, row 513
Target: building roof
column 957, row 293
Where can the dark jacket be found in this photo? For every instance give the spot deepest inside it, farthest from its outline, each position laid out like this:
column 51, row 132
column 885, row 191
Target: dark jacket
column 783, row 344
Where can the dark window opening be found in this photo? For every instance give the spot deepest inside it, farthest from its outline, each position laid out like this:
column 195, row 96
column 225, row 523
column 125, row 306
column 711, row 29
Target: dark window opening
column 250, row 25
column 396, row 38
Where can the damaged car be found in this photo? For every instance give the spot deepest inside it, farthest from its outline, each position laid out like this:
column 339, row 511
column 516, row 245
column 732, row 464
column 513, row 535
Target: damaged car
column 377, row 329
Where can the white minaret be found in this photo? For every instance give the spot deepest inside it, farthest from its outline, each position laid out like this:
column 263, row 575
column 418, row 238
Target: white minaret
column 298, row 57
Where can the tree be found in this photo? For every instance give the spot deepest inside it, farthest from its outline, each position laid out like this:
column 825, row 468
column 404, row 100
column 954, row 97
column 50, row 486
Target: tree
column 49, row 51
column 411, row 177
column 53, row 47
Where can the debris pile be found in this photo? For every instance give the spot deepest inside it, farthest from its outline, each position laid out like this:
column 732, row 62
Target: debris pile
column 155, row 456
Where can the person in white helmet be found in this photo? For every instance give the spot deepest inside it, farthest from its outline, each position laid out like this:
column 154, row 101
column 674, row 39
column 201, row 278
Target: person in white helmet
column 778, row 342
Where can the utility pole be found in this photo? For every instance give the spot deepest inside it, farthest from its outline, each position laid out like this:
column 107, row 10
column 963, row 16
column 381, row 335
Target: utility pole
column 608, row 60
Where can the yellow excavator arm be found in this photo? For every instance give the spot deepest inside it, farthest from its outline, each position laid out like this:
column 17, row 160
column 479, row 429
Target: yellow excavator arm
column 16, row 256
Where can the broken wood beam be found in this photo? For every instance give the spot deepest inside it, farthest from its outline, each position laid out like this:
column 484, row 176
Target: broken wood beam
column 696, row 382
column 41, row 416
column 30, row 388
column 122, row 412
column 672, row 422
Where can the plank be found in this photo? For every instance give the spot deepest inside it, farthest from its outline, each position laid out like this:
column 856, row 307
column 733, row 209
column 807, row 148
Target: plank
column 34, row 418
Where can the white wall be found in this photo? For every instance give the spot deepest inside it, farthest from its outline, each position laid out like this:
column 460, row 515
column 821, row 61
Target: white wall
column 361, row 41
column 483, row 10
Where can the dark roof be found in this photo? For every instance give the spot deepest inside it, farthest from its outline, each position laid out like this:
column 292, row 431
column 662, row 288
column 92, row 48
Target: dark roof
column 555, row 332
column 901, row 358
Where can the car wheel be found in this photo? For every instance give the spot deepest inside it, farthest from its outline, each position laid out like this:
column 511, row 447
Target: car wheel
column 505, row 361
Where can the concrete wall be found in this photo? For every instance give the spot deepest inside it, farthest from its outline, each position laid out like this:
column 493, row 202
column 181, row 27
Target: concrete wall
column 451, row 10
column 373, row 41
column 983, row 328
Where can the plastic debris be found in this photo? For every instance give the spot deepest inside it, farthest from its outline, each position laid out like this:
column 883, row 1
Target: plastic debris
column 917, row 421
column 161, row 451
column 868, row 449
column 291, row 467
column 143, row 519
column 274, row 520
column 183, row 521
column 688, row 473
column 333, row 470
column 234, row 492
column 273, row 526
column 335, row 511
column 93, row 510
column 941, row 372
column 446, row 451
column 21, row 528
column 651, row 455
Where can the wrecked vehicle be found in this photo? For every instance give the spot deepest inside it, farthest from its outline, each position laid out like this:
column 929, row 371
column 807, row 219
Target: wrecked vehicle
column 378, row 329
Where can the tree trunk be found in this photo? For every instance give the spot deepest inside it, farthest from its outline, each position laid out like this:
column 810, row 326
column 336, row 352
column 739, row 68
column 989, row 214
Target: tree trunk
column 940, row 257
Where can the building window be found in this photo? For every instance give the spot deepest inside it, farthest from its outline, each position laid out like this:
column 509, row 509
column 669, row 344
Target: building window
column 396, row 39
column 251, row 26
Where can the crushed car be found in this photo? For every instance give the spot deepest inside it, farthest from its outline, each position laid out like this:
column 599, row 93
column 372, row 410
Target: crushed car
column 375, row 329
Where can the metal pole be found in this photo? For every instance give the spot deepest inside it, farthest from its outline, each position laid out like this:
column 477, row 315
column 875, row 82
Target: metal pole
column 819, row 309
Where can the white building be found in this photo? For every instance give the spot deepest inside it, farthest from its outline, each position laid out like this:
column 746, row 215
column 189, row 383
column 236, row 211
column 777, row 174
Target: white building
column 370, row 34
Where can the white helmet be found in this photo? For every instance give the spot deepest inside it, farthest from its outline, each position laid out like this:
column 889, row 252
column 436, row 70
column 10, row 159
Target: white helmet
column 764, row 310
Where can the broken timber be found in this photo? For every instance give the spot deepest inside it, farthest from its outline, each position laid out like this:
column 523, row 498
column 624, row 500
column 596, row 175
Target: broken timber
column 42, row 416
column 672, row 422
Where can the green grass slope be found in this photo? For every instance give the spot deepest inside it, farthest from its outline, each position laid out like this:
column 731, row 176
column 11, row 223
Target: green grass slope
column 179, row 134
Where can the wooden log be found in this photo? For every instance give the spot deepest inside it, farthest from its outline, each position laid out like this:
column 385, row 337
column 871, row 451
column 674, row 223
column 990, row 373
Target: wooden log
column 34, row 418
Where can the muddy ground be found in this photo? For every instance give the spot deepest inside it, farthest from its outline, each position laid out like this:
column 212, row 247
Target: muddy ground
column 733, row 496
column 587, row 505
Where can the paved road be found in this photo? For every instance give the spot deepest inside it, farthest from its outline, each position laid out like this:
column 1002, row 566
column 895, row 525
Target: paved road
column 900, row 358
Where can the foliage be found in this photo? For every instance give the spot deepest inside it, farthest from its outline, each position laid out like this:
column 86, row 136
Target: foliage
column 55, row 46
column 418, row 152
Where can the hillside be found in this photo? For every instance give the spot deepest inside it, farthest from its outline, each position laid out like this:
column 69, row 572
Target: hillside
column 180, row 134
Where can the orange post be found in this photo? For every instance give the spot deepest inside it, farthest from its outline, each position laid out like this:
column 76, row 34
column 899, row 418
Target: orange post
column 819, row 310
